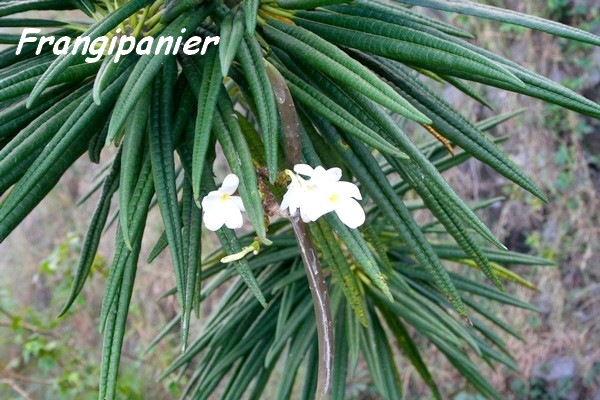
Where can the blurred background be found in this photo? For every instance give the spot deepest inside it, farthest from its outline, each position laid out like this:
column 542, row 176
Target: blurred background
column 42, row 357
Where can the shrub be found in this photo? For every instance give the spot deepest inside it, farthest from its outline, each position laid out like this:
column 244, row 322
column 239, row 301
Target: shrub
column 344, row 85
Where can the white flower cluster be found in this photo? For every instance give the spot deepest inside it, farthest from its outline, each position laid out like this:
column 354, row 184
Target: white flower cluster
column 321, row 193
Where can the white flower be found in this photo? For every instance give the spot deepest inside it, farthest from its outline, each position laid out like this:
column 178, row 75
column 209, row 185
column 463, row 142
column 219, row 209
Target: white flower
column 323, row 193
column 221, row 208
column 292, row 199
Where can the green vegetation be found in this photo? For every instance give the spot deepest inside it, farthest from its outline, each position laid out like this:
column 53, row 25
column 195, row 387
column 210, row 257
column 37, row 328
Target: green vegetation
column 318, row 82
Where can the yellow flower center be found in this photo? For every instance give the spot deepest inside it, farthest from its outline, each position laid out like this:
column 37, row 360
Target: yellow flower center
column 224, row 197
column 334, row 198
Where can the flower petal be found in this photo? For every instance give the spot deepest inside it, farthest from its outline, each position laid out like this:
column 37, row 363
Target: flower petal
column 214, row 220
column 334, row 173
column 290, row 200
column 316, row 204
column 237, row 200
column 320, row 172
column 323, row 178
column 234, row 219
column 230, row 184
column 347, row 189
column 305, row 218
column 211, row 200
column 350, row 213
column 303, row 169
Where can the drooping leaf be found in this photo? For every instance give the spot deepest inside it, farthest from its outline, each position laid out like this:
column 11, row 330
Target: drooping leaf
column 331, row 60
column 100, row 28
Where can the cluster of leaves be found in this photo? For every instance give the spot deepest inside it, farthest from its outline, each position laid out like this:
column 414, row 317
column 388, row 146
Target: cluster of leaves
column 322, row 80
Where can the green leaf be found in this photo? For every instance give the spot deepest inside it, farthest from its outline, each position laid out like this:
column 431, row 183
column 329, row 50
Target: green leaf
column 357, row 104
column 406, row 343
column 237, row 153
column 100, row 28
column 498, row 256
column 106, row 71
column 454, row 126
column 163, row 169
column 329, row 109
column 334, row 62
column 298, row 349
column 342, row 273
column 398, row 14
column 16, row 117
column 158, row 248
column 245, row 373
column 408, row 45
column 231, row 245
column 148, row 66
column 378, row 188
column 436, row 307
column 206, row 85
column 508, row 16
column 480, row 309
column 141, row 199
column 21, row 83
column 535, row 85
column 340, row 357
column 192, row 234
column 115, row 328
column 251, row 13
column 359, row 250
column 442, row 210
column 231, row 34
column 380, row 360
column 466, row 367
column 309, row 385
column 14, row 7
column 68, row 144
column 305, row 4
column 289, row 329
column 174, row 9
column 96, row 144
column 29, row 142
column 30, row 23
column 162, row 334
column 466, row 89
column 134, row 148
column 496, row 120
column 115, row 304
column 251, row 61
column 92, row 239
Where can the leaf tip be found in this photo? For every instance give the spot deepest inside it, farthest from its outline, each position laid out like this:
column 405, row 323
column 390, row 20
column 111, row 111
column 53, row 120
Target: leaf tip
column 63, row 311
column 30, row 101
column 263, row 302
column 402, row 155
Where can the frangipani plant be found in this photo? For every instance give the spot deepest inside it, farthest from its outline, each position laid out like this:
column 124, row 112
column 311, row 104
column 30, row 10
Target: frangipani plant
column 318, row 83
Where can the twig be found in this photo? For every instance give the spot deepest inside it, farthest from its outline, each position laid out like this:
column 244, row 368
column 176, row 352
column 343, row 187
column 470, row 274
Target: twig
column 13, row 376
column 13, row 385
column 28, row 327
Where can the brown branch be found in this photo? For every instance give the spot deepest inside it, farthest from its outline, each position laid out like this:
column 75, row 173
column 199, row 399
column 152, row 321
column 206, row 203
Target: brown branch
column 314, row 271
column 13, row 385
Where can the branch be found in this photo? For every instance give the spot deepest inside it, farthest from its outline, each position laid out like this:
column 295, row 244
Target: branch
column 13, row 385
column 314, row 271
